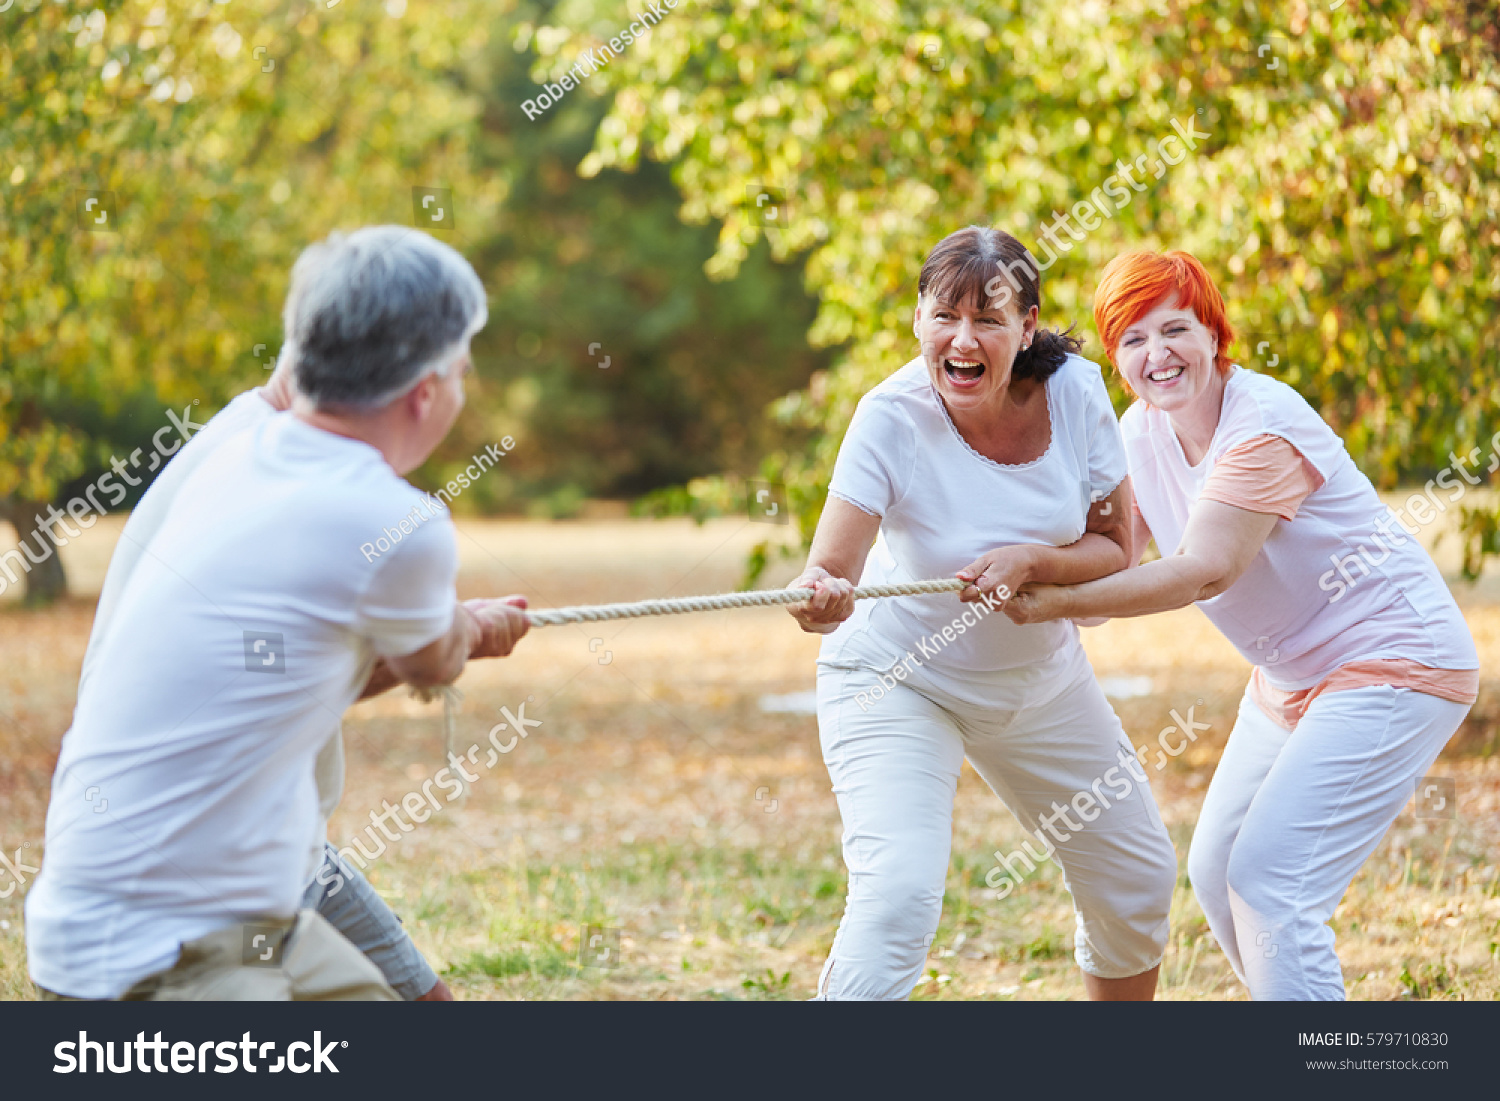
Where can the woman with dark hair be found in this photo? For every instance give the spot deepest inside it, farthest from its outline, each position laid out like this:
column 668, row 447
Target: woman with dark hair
column 1358, row 680
column 994, row 457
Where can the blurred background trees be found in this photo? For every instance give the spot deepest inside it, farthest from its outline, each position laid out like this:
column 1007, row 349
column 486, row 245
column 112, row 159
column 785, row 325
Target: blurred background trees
column 1346, row 196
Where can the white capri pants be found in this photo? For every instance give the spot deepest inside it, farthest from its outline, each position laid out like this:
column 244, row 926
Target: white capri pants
column 1291, row 815
column 895, row 764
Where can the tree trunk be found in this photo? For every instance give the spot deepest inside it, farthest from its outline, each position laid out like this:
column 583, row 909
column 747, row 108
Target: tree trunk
column 46, row 580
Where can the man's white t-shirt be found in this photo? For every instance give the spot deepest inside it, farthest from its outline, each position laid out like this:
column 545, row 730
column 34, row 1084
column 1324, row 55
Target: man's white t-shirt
column 942, row 505
column 184, row 794
column 146, row 519
column 148, row 515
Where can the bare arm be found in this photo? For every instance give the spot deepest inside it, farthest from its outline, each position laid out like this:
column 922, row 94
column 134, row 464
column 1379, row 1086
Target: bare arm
column 1140, row 537
column 1217, row 547
column 381, row 680
column 834, row 565
column 481, row 629
column 1105, row 548
column 443, row 659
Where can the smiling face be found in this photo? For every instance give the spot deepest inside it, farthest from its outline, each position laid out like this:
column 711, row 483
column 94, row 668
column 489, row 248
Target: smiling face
column 969, row 350
column 1167, row 357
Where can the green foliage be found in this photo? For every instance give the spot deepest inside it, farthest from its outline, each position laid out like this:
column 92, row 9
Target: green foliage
column 1051, row 945
column 219, row 140
column 218, row 172
column 1480, row 530
column 224, row 138
column 768, row 985
column 616, row 365
column 1433, row 982
column 1346, row 196
column 547, row 961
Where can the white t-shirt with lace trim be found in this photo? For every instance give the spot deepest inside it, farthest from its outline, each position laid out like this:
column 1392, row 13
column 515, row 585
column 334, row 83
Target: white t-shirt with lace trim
column 942, row 505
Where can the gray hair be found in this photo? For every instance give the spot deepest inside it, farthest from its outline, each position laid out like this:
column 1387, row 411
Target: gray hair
column 370, row 313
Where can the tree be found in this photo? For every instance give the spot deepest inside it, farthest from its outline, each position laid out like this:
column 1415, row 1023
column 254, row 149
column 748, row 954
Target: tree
column 1344, row 192
column 164, row 166
column 611, row 359
column 163, row 170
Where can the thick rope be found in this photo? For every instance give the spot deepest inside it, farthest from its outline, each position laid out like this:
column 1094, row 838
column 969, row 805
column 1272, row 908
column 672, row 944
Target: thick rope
column 595, row 613
column 452, row 699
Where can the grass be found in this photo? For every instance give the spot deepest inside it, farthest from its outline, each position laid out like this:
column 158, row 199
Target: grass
column 644, row 804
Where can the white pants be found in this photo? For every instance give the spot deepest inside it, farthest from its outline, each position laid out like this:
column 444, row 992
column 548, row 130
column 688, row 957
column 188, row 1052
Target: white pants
column 1291, row 816
column 895, row 764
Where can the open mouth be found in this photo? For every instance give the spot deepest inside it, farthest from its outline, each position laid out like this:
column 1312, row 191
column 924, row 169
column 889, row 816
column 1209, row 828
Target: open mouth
column 1166, row 374
column 963, row 371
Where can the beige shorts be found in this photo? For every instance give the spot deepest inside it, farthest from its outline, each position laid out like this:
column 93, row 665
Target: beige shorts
column 304, row 960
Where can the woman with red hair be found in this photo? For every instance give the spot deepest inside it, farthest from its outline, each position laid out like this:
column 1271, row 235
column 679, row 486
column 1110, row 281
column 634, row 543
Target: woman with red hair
column 1359, row 680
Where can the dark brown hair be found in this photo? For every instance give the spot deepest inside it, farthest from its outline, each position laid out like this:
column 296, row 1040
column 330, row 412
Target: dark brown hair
column 988, row 265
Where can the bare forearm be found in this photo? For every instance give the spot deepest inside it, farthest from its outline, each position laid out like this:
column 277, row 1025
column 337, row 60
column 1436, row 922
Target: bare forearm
column 843, row 539
column 1158, row 586
column 840, row 555
column 382, row 679
column 1091, row 557
column 441, row 661
column 836, row 566
column 461, row 640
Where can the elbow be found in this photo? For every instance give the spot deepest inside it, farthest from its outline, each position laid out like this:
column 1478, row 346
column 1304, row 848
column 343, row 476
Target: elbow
column 1200, row 580
column 431, row 674
column 1213, row 587
column 425, row 679
column 1119, row 538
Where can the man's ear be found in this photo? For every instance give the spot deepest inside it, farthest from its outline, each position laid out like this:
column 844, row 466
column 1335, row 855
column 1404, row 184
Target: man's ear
column 916, row 321
column 420, row 397
column 278, row 391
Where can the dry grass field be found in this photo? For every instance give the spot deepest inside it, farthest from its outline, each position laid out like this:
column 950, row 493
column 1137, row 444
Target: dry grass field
column 661, row 801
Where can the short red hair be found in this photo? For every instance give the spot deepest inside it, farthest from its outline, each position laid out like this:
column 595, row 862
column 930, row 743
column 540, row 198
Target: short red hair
column 1134, row 282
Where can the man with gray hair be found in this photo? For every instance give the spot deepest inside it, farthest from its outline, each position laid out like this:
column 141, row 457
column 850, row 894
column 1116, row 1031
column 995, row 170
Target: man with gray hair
column 184, row 808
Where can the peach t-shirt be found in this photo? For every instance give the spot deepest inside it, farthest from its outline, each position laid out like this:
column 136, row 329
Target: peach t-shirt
column 1395, row 624
column 1268, row 474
